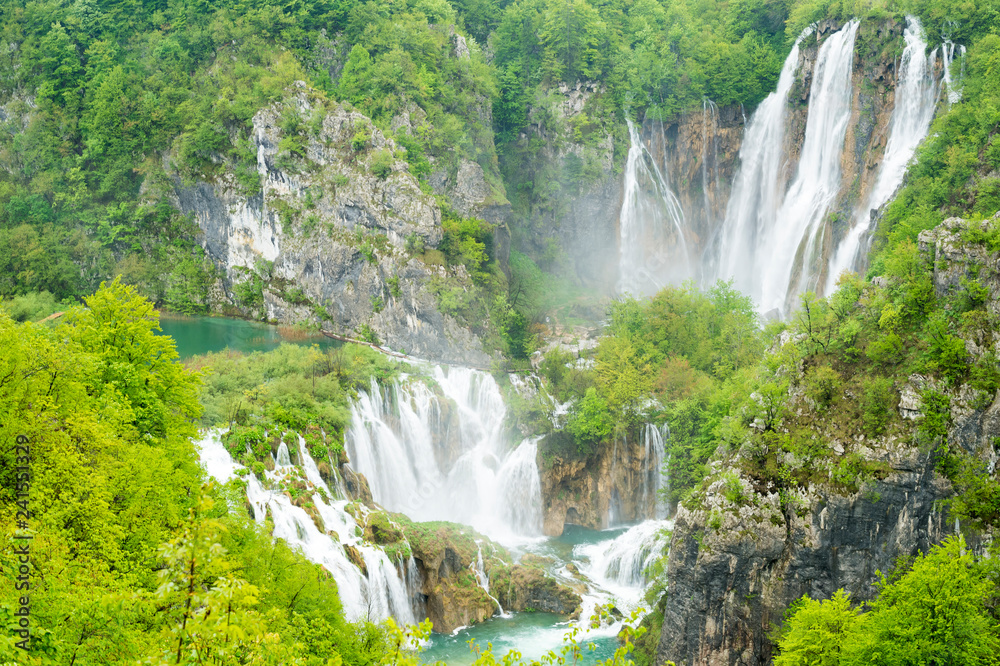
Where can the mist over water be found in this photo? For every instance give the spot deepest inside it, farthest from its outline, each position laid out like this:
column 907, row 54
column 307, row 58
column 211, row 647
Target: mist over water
column 775, row 240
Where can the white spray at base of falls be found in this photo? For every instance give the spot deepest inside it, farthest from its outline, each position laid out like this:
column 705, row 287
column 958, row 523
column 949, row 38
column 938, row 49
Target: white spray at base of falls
column 403, row 439
column 381, row 594
column 916, row 99
column 758, row 186
column 653, row 250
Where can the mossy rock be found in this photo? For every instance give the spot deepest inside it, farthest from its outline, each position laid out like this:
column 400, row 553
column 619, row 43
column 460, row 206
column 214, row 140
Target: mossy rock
column 380, row 529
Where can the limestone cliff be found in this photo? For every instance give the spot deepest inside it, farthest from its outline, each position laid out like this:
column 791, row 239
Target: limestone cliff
column 333, row 234
column 743, row 549
column 617, row 484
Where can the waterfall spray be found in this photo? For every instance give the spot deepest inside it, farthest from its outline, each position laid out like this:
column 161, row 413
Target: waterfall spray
column 652, row 241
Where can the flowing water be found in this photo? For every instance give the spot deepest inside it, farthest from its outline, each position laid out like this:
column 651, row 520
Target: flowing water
column 916, row 100
column 775, row 240
column 758, row 187
column 433, row 447
column 653, row 228
column 794, row 240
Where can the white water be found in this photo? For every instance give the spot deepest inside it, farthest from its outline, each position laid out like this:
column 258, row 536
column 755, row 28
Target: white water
column 953, row 87
column 795, row 241
column 653, row 249
column 382, row 594
column 655, row 479
column 916, row 99
column 400, row 440
column 617, row 568
column 759, row 186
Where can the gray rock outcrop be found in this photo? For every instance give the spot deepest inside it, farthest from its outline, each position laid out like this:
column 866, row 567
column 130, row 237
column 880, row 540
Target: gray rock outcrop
column 334, row 233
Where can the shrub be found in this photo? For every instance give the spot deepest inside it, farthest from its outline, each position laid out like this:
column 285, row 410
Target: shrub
column 877, row 403
column 822, row 384
column 360, row 140
column 381, row 166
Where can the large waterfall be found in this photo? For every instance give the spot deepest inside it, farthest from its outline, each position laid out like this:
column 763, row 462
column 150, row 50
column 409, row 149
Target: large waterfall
column 794, row 240
column 916, row 99
column 779, row 236
column 759, row 186
column 432, row 463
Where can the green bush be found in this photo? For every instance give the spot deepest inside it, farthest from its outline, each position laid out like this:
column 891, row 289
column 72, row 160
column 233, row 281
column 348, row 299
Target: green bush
column 360, row 140
column 381, row 164
column 822, row 384
column 878, row 398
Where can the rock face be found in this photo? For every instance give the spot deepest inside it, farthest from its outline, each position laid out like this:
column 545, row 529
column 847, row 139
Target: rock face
column 615, row 486
column 740, row 555
column 464, row 578
column 576, row 178
column 731, row 581
column 699, row 153
column 332, row 235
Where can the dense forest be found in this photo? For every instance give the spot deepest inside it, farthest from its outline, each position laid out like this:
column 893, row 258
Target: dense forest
column 138, row 557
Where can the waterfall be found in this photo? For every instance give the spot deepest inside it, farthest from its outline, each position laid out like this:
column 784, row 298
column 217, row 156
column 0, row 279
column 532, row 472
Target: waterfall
column 795, row 241
column 756, row 195
column 415, row 464
column 282, row 459
column 380, row 594
column 655, row 479
column 653, row 248
column 916, row 98
column 479, row 571
column 623, row 561
column 953, row 88
column 709, row 119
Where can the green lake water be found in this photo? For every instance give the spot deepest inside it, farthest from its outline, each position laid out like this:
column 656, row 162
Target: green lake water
column 531, row 634
column 201, row 335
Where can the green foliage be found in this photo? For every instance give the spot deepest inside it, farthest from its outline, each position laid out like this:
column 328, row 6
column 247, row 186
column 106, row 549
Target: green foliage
column 381, row 164
column 877, row 404
column 936, row 613
column 822, row 384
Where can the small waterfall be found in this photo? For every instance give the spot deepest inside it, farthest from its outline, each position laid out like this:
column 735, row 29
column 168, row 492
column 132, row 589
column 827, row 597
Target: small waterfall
column 916, row 98
column 521, row 488
column 623, row 561
column 952, row 87
column 377, row 596
column 795, row 241
column 742, row 250
column 414, row 465
column 653, row 248
column 709, row 120
column 479, row 571
column 655, row 479
column 282, row 459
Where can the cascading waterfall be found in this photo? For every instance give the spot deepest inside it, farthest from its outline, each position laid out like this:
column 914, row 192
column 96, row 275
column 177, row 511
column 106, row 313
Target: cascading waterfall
column 916, row 99
column 756, row 196
column 952, row 87
column 795, row 240
column 377, row 596
column 653, row 249
column 479, row 571
column 398, row 440
column 655, row 478
column 623, row 561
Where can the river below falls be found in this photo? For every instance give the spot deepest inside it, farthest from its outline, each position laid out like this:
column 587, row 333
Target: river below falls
column 597, row 556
